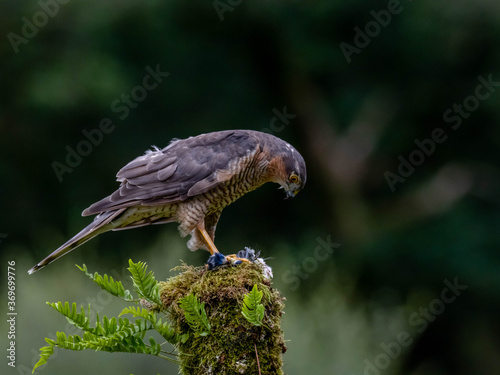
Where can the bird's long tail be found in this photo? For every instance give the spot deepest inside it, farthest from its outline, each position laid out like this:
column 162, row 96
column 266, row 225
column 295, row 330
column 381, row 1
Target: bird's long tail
column 99, row 225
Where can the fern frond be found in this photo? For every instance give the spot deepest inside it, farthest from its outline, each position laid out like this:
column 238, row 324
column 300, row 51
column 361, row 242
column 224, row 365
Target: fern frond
column 195, row 315
column 163, row 329
column 78, row 319
column 139, row 312
column 145, row 284
column 118, row 328
column 108, row 284
column 252, row 309
column 117, row 334
column 45, row 353
column 130, row 344
column 167, row 332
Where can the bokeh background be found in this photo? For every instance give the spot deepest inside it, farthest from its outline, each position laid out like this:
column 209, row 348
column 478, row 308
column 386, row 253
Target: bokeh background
column 380, row 301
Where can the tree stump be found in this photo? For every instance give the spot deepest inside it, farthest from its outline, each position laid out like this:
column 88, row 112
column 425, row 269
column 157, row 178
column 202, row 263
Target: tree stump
column 233, row 345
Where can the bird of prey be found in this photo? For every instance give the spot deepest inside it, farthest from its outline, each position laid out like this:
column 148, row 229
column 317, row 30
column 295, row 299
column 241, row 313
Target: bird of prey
column 190, row 182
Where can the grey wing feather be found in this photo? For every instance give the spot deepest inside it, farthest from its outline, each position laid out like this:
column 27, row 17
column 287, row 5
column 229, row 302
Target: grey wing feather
column 182, row 169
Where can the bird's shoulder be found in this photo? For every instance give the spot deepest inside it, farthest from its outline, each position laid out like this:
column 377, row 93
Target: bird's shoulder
column 187, row 158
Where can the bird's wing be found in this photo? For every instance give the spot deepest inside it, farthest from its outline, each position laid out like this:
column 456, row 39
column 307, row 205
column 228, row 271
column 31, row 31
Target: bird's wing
column 183, row 169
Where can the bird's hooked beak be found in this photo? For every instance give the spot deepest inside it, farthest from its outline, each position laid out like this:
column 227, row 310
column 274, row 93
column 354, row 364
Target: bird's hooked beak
column 289, row 193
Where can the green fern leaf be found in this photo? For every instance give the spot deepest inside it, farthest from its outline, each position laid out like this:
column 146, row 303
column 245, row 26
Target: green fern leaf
column 167, row 332
column 78, row 319
column 140, row 312
column 145, row 284
column 163, row 329
column 108, row 284
column 252, row 309
column 195, row 315
column 120, row 334
column 45, row 353
column 126, row 340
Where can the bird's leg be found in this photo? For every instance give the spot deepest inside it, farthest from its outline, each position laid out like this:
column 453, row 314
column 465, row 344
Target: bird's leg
column 216, row 257
column 211, row 246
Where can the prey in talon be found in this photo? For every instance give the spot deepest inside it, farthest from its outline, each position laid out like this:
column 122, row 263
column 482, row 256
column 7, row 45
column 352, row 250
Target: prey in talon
column 190, row 182
column 248, row 256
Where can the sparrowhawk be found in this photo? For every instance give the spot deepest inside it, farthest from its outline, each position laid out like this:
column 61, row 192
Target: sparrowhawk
column 190, row 182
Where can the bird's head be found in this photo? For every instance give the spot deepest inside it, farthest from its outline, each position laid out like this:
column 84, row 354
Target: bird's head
column 291, row 172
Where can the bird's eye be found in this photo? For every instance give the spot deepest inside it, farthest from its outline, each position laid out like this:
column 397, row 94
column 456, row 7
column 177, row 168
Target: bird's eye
column 294, row 178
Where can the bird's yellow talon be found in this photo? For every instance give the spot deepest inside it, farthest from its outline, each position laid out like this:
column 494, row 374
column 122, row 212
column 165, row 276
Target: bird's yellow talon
column 233, row 258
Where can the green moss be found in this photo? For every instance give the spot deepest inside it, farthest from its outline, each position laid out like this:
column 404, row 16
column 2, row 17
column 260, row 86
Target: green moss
column 230, row 346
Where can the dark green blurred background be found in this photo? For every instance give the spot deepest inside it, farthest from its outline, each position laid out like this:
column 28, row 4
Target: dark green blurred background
column 379, row 304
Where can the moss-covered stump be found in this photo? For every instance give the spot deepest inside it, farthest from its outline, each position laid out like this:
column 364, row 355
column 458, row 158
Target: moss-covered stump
column 231, row 345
